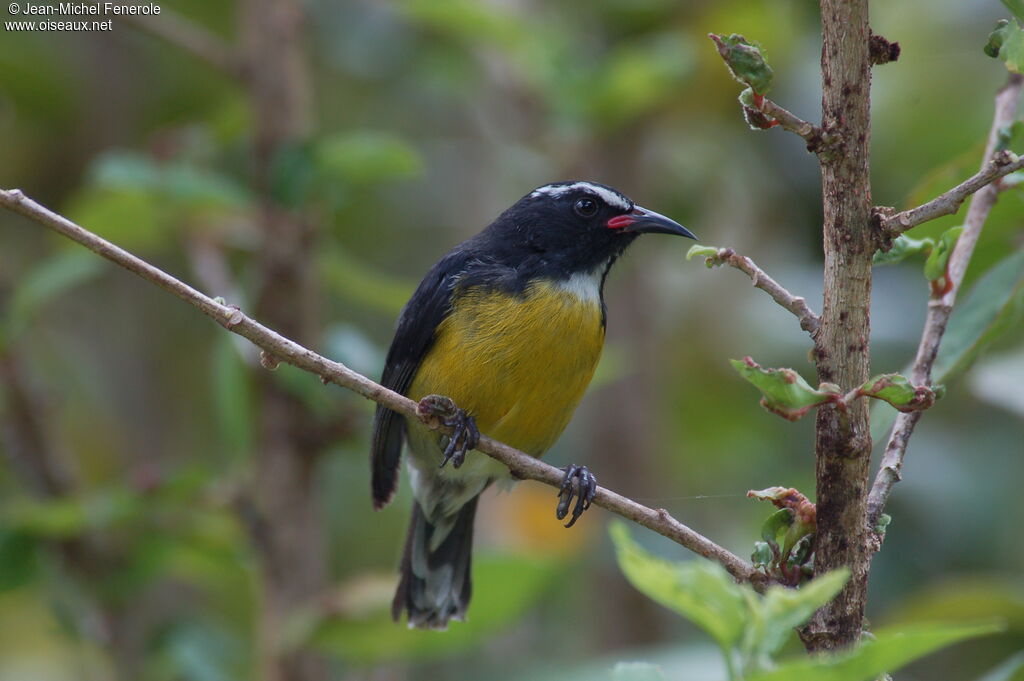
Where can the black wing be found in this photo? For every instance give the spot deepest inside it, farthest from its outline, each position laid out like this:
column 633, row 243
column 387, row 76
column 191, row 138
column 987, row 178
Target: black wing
column 413, row 337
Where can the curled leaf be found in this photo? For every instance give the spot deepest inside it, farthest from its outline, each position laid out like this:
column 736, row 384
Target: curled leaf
column 762, row 555
column 1004, row 137
column 898, row 391
column 903, row 247
column 804, row 511
column 787, row 533
column 702, row 251
column 784, row 391
column 936, row 267
column 1006, row 42
column 774, row 529
column 745, row 61
column 996, row 38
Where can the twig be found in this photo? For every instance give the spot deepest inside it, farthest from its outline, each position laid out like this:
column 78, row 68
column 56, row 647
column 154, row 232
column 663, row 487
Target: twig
column 189, row 37
column 23, row 429
column 285, row 350
column 940, row 307
column 809, row 321
column 996, row 166
column 42, row 463
column 812, row 134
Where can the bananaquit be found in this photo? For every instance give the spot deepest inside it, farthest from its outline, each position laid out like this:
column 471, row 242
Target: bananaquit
column 509, row 326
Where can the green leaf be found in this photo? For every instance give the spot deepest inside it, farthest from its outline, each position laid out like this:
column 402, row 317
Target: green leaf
column 18, row 560
column 292, row 174
column 1007, row 671
column 996, row 38
column 898, row 391
column 47, row 281
column 802, row 551
column 639, row 76
column 903, row 247
column 699, row 590
column 362, row 632
column 70, row 516
column 133, row 219
column 468, row 20
column 762, row 556
column 637, row 671
column 745, row 61
column 935, row 265
column 710, row 253
column 785, row 392
column 776, row 526
column 993, row 305
column 746, row 98
column 355, row 281
column 1004, row 140
column 364, row 157
column 781, row 609
column 883, row 415
column 888, row 652
column 1006, row 42
column 205, row 651
column 1017, row 7
column 180, row 181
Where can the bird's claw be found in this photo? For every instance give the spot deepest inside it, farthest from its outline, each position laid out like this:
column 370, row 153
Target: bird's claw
column 579, row 482
column 465, row 435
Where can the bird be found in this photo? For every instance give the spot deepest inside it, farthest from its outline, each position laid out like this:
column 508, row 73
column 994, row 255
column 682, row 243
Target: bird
column 502, row 336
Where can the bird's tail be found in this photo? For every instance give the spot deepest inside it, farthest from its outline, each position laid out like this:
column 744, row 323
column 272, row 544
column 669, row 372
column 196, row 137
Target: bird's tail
column 435, row 584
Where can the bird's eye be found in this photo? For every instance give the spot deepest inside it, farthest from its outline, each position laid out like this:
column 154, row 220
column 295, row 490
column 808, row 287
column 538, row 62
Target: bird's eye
column 585, row 208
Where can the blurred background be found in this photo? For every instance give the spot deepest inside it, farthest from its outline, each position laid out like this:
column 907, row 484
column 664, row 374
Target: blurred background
column 170, row 510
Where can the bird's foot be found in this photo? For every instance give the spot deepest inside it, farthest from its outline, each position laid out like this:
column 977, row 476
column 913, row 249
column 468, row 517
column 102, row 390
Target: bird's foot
column 579, row 482
column 441, row 410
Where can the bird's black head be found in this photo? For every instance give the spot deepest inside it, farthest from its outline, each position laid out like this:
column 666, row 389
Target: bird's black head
column 569, row 227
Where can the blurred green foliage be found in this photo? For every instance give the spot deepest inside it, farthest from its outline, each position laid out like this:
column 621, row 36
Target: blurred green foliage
column 430, row 118
column 751, row 628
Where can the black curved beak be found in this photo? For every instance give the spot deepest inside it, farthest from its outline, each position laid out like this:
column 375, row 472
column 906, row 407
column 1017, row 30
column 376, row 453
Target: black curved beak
column 648, row 222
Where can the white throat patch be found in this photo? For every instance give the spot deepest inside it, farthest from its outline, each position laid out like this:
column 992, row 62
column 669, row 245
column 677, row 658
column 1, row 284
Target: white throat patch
column 586, row 286
column 609, row 196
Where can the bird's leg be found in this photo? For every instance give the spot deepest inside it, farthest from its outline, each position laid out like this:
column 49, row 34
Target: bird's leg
column 443, row 411
column 582, row 484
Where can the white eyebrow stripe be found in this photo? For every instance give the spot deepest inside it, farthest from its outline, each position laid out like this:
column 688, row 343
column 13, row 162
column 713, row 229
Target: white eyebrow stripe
column 612, row 198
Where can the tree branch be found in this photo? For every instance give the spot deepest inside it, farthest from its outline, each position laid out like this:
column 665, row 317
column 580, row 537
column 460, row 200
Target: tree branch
column 812, row 134
column 809, row 321
column 42, row 463
column 996, row 166
column 189, row 37
column 841, row 347
column 283, row 349
column 23, row 429
column 940, row 307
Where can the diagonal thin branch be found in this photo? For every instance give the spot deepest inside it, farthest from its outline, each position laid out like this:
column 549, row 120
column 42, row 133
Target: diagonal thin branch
column 809, row 321
column 813, row 135
column 190, row 38
column 997, row 165
column 940, row 307
column 283, row 349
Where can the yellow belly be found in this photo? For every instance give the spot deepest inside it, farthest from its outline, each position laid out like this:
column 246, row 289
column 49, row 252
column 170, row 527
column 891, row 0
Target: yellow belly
column 518, row 365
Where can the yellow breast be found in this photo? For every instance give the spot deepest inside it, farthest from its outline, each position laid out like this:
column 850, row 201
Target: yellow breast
column 518, row 364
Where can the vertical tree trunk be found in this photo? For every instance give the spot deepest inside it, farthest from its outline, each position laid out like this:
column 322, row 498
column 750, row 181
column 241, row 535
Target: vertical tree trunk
column 843, row 440
column 289, row 536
